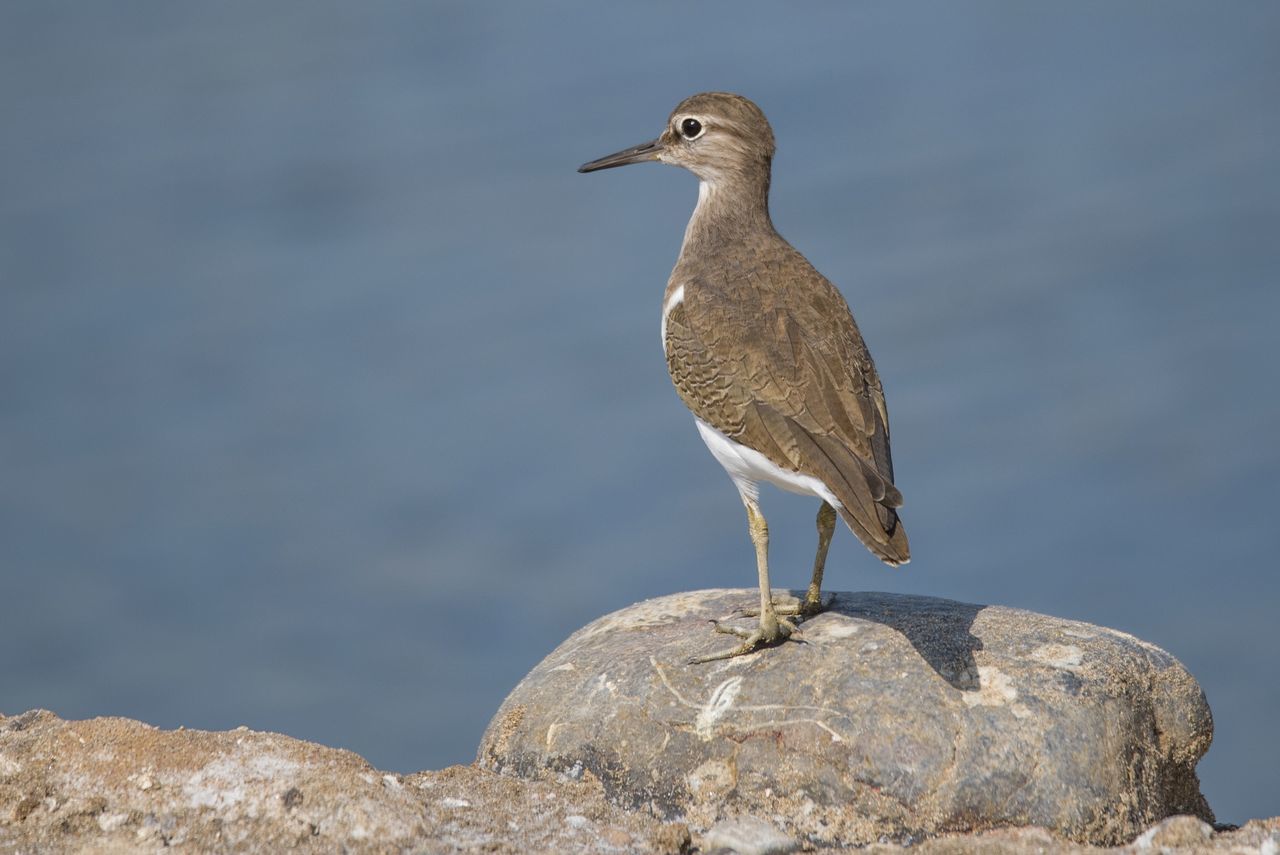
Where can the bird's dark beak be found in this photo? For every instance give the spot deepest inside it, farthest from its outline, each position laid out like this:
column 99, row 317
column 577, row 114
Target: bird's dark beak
column 635, row 154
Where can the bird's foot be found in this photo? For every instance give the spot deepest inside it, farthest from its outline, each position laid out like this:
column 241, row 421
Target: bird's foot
column 803, row 609
column 767, row 634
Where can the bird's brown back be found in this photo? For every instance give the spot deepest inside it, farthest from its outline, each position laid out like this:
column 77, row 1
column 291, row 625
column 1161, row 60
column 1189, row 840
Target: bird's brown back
column 765, row 349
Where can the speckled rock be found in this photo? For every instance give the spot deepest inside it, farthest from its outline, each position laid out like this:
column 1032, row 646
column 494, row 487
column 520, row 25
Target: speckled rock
column 111, row 785
column 899, row 717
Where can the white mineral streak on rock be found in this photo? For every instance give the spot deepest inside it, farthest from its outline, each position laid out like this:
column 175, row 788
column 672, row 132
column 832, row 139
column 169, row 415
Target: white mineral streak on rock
column 1065, row 656
column 995, row 689
column 720, row 702
column 223, row 782
column 660, row 611
column 834, row 629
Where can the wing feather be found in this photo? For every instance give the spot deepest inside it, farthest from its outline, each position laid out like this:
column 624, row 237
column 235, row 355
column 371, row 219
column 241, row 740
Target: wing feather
column 785, row 371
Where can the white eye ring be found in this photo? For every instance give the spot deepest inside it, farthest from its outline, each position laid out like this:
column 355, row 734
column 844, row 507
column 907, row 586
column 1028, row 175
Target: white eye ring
column 690, row 127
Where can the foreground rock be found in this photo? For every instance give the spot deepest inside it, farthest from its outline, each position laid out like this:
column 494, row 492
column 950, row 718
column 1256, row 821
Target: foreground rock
column 899, row 718
column 114, row 785
column 119, row 786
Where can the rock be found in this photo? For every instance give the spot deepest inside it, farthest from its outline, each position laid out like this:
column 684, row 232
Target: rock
column 114, row 785
column 1258, row 837
column 898, row 718
column 746, row 836
column 119, row 786
column 1174, row 832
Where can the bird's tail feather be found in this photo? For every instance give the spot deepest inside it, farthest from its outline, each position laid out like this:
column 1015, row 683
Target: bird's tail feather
column 867, row 499
column 887, row 540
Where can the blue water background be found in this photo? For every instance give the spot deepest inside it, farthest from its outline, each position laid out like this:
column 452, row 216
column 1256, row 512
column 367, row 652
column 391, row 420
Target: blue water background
column 331, row 398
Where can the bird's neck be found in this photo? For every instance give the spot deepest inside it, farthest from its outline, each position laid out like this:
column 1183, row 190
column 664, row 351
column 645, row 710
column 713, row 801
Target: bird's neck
column 729, row 210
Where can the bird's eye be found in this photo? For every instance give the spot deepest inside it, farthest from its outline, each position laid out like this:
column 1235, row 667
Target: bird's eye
column 691, row 129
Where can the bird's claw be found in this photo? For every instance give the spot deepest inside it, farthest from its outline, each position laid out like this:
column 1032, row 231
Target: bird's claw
column 763, row 636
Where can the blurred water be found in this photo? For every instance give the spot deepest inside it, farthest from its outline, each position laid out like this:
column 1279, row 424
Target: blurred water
column 331, row 399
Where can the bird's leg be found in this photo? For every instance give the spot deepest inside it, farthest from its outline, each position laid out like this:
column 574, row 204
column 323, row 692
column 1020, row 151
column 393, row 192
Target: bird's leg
column 772, row 629
column 826, row 528
column 812, row 603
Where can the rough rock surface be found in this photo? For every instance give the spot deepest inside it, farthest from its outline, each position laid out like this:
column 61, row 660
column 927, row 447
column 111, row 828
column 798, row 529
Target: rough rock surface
column 117, row 786
column 112, row 785
column 1176, row 834
column 898, row 718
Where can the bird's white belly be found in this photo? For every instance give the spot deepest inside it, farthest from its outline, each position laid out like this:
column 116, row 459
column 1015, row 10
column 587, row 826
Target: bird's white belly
column 748, row 467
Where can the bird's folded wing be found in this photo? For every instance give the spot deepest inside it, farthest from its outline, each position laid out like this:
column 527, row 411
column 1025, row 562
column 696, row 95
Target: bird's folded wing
column 794, row 382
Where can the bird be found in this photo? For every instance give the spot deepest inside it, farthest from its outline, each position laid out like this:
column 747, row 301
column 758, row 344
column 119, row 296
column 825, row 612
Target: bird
column 765, row 352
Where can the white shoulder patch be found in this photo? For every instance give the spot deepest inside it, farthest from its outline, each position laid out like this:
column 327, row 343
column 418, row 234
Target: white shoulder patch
column 676, row 298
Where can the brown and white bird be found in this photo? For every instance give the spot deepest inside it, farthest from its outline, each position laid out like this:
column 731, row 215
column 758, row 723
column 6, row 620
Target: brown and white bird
column 765, row 352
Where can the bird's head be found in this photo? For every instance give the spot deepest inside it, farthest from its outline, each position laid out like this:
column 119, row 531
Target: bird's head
column 714, row 135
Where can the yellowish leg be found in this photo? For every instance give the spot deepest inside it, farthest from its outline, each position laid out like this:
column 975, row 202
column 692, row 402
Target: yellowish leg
column 812, row 604
column 826, row 528
column 772, row 629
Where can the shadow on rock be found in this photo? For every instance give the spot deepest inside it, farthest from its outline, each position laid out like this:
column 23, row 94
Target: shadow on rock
column 939, row 630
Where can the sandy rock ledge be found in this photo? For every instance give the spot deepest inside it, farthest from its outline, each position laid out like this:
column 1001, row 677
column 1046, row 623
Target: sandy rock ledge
column 114, row 785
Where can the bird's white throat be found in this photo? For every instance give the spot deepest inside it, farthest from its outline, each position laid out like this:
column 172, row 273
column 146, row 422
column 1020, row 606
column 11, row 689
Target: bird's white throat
column 705, row 189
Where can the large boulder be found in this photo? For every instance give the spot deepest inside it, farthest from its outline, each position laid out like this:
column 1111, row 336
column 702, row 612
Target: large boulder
column 897, row 717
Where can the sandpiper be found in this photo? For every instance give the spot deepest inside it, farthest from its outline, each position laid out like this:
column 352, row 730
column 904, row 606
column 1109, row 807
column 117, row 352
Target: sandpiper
column 765, row 352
